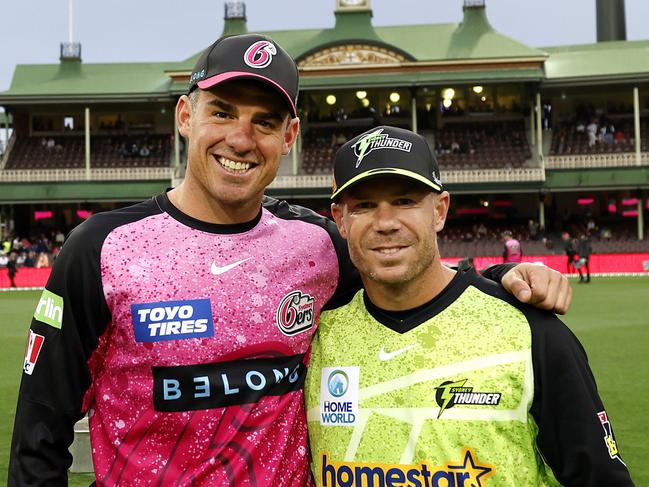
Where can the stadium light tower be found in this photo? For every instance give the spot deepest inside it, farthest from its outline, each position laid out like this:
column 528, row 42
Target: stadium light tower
column 70, row 19
column 70, row 50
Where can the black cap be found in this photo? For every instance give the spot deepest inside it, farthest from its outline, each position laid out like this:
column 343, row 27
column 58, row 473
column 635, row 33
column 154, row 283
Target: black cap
column 249, row 56
column 385, row 151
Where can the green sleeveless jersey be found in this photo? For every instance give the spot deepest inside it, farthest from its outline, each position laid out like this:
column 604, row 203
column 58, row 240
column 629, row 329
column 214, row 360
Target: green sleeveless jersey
column 443, row 395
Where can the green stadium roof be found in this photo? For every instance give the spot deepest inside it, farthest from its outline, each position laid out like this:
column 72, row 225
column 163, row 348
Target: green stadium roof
column 435, row 53
column 471, row 41
column 603, row 61
column 71, row 79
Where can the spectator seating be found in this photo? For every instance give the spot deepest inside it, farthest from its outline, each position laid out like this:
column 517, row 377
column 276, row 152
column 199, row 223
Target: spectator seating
column 485, row 145
column 105, row 151
column 617, row 136
column 462, row 241
column 319, row 147
column 467, row 146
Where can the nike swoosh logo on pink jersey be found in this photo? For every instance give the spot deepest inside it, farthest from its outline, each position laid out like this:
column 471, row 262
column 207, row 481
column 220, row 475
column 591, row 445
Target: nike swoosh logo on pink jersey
column 383, row 355
column 216, row 270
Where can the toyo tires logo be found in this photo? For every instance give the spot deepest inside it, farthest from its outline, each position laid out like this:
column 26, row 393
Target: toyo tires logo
column 296, row 313
column 260, row 54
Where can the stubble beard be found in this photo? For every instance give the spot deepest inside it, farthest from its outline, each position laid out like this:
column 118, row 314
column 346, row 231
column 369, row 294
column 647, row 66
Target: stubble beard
column 407, row 282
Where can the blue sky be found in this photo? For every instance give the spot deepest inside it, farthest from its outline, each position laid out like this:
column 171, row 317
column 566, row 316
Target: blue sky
column 165, row 30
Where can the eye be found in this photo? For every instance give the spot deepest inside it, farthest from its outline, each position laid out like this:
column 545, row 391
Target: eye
column 405, row 202
column 266, row 124
column 361, row 206
column 221, row 115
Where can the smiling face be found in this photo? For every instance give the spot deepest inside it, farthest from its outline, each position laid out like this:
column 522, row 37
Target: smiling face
column 237, row 133
column 391, row 227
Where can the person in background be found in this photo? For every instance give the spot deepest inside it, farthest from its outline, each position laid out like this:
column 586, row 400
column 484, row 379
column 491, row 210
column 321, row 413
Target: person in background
column 466, row 263
column 570, row 248
column 12, row 268
column 6, row 246
column 584, row 249
column 512, row 251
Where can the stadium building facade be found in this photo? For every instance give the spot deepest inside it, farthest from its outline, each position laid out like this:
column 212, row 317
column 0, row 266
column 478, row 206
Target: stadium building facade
column 559, row 135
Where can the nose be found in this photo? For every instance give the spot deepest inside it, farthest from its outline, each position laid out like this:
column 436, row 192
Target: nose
column 240, row 137
column 386, row 218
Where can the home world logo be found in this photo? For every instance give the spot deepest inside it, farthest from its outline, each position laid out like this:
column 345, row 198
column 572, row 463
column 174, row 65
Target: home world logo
column 339, row 396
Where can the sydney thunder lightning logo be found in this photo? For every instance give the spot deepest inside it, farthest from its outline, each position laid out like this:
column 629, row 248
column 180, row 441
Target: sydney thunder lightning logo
column 378, row 140
column 449, row 394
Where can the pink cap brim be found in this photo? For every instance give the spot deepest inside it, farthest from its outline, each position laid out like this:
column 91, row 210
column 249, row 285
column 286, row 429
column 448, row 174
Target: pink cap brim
column 220, row 78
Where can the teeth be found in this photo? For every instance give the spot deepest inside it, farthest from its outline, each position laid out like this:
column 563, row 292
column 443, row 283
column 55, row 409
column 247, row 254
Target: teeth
column 234, row 165
column 392, row 250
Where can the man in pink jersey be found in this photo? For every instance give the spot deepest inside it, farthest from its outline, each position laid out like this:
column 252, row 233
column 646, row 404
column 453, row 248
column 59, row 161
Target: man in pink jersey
column 512, row 251
column 182, row 325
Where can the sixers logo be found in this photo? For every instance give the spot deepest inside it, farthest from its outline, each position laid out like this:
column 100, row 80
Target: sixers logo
column 296, row 313
column 260, row 54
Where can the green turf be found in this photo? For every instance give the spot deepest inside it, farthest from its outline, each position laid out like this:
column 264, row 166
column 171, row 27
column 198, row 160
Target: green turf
column 608, row 315
column 16, row 309
column 611, row 319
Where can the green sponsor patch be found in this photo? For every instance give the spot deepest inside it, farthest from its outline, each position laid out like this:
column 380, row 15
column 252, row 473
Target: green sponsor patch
column 50, row 309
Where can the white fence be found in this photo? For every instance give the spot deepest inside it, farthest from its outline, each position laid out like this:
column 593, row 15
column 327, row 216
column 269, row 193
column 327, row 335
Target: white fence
column 453, row 177
column 281, row 182
column 590, row 161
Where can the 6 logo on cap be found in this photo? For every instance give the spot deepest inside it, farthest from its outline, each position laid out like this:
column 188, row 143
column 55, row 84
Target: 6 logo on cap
column 260, row 54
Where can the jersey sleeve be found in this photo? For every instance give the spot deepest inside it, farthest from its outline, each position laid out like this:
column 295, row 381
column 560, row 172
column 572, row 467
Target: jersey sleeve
column 497, row 271
column 575, row 436
column 349, row 281
column 69, row 318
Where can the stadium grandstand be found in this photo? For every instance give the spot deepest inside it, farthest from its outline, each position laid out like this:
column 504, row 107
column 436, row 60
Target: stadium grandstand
column 538, row 141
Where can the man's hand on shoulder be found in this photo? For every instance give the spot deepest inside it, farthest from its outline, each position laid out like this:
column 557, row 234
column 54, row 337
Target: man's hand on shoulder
column 539, row 286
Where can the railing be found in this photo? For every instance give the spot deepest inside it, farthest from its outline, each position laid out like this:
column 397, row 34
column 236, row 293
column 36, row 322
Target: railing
column 588, row 161
column 103, row 174
column 448, row 177
column 281, row 182
column 302, row 181
column 493, row 175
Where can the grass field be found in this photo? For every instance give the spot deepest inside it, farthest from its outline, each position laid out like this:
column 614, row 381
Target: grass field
column 609, row 316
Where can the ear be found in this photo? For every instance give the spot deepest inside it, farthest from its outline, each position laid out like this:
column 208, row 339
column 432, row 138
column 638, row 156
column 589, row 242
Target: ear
column 337, row 213
column 442, row 204
column 184, row 115
column 290, row 135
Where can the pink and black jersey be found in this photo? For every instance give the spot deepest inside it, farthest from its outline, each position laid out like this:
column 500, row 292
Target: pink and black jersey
column 512, row 251
column 185, row 342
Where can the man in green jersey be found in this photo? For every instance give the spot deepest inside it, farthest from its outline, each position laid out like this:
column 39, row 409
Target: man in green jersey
column 433, row 377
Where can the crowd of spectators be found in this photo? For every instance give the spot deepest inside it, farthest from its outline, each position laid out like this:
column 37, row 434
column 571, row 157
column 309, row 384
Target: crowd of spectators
column 590, row 130
column 599, row 134
column 459, row 239
column 34, row 251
